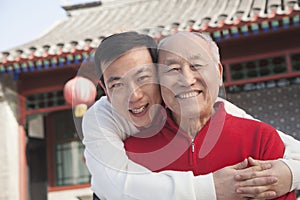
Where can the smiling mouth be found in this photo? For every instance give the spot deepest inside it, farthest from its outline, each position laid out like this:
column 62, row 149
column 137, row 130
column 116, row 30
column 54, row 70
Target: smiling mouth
column 188, row 95
column 139, row 110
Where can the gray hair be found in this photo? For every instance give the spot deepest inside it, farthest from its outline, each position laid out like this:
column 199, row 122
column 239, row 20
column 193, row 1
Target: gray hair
column 214, row 49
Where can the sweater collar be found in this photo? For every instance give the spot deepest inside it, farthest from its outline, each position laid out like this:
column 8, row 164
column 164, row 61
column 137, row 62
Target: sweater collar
column 217, row 116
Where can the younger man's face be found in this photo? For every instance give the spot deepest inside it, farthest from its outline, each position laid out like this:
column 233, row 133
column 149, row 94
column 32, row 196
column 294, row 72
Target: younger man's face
column 132, row 87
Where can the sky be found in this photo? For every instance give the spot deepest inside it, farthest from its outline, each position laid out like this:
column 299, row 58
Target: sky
column 22, row 21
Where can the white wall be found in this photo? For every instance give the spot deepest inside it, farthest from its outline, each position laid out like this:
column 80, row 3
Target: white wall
column 9, row 149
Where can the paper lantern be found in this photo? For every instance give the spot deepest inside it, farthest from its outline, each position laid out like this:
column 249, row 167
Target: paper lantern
column 80, row 92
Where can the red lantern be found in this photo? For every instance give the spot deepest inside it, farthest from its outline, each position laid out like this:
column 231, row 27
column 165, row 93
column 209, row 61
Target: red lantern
column 80, row 92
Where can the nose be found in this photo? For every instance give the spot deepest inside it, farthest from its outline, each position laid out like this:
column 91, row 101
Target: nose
column 188, row 76
column 135, row 93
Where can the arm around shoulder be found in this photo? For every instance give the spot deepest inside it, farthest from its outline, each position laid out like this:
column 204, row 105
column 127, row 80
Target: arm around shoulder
column 292, row 157
column 116, row 177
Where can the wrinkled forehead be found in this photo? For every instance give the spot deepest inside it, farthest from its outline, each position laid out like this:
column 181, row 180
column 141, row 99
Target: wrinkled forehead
column 185, row 45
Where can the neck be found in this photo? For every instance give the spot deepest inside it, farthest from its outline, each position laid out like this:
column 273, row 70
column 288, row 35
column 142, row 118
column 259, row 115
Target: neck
column 192, row 125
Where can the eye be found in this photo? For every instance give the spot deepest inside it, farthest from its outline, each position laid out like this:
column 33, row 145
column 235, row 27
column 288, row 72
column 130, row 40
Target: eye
column 172, row 68
column 142, row 78
column 196, row 66
column 116, row 85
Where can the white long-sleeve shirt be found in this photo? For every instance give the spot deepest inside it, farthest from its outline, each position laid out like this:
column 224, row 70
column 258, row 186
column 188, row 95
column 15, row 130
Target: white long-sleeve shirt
column 116, row 177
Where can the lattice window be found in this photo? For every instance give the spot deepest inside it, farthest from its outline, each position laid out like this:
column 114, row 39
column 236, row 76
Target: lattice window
column 68, row 166
column 50, row 99
column 258, row 68
column 45, row 100
column 295, row 60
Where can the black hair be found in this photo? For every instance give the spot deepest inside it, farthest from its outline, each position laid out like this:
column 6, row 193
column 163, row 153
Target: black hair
column 118, row 44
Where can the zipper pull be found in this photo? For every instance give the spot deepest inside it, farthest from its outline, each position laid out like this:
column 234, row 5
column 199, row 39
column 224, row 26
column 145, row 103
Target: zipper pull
column 193, row 146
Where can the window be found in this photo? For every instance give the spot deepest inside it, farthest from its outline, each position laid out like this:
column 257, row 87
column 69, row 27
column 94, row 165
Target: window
column 70, row 169
column 65, row 151
column 45, row 100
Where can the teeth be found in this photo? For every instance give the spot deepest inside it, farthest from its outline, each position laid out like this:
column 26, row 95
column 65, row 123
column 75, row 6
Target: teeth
column 139, row 110
column 188, row 95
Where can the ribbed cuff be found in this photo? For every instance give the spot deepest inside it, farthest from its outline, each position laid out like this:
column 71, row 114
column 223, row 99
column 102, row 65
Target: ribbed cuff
column 205, row 187
column 294, row 166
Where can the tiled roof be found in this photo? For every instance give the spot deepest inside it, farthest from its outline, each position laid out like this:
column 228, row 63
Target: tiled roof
column 87, row 24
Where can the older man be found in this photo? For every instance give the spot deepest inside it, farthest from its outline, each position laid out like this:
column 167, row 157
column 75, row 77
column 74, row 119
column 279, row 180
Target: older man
column 199, row 135
column 126, row 62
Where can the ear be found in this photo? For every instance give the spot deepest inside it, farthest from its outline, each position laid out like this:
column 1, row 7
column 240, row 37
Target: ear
column 220, row 69
column 104, row 89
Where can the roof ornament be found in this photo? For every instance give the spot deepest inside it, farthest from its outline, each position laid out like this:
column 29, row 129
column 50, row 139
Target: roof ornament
column 159, row 30
column 12, row 56
column 59, row 48
column 80, row 45
column 19, row 54
column 26, row 53
column 166, row 31
column 88, row 42
column 273, row 10
column 5, row 56
column 46, row 50
column 101, row 38
column 39, row 52
column 238, row 16
column 68, row 47
column 52, row 50
column 290, row 5
column 204, row 23
column 95, row 43
column 255, row 13
column 32, row 50
column 221, row 20
column 174, row 27
column 190, row 23
column 73, row 46
column 145, row 31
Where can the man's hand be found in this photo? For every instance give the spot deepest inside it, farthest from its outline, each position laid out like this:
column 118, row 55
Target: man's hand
column 229, row 180
column 225, row 182
column 259, row 183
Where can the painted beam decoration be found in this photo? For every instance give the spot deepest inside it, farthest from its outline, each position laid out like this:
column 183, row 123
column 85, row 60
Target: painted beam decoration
column 222, row 20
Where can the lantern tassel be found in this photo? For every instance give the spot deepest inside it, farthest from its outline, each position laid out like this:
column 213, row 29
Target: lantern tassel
column 80, row 109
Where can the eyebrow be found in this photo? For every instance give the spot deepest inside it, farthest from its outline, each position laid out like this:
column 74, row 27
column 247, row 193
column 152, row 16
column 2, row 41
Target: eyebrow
column 143, row 69
column 113, row 78
column 116, row 78
column 171, row 61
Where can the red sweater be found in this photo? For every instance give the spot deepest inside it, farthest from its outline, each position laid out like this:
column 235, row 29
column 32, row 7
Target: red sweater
column 225, row 140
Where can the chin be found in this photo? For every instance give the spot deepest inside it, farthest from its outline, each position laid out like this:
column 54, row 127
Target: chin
column 145, row 123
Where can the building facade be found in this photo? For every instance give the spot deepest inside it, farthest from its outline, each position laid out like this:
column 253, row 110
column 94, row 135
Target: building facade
column 260, row 51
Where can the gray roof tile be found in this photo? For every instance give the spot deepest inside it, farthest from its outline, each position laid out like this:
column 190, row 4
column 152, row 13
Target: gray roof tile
column 149, row 16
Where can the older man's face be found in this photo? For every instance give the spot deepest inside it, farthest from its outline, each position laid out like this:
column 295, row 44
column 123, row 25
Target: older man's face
column 189, row 77
column 131, row 84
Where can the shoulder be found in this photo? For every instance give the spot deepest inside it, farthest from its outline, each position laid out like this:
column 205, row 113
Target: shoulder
column 249, row 124
column 101, row 115
column 253, row 131
column 101, row 109
column 233, row 109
